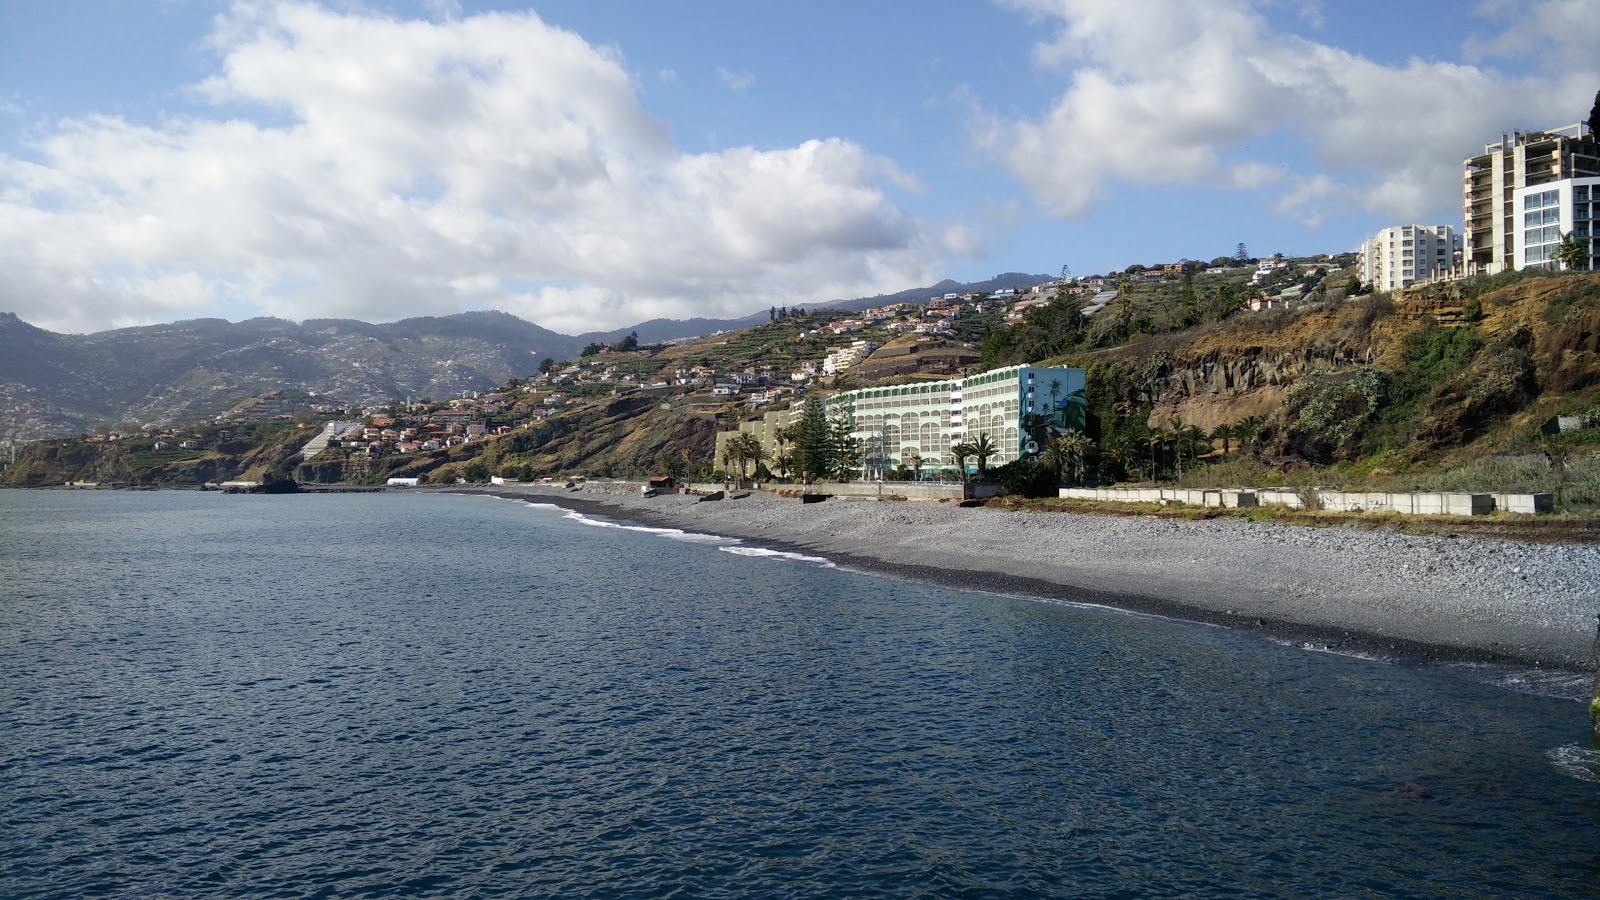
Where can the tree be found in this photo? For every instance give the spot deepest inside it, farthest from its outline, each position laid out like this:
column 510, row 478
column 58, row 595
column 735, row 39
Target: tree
column 1224, row 433
column 752, row 452
column 545, row 365
column 629, row 343
column 914, row 460
column 1248, row 431
column 1066, row 452
column 982, row 449
column 1573, row 253
column 1241, row 256
column 1191, row 300
column 962, row 452
column 1594, row 116
column 844, row 450
column 812, row 441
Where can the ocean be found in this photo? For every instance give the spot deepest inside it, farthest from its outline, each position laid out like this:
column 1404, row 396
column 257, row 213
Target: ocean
column 398, row 694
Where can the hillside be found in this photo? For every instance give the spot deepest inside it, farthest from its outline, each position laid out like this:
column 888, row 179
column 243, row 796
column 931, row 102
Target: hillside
column 1445, row 387
column 53, row 385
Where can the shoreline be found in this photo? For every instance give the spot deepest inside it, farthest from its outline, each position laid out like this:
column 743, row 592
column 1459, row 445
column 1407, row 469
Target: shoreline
column 1524, row 613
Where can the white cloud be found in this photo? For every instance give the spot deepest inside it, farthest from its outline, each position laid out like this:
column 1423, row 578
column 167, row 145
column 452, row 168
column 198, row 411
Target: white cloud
column 667, row 76
column 376, row 168
column 1567, row 29
column 736, row 81
column 1168, row 92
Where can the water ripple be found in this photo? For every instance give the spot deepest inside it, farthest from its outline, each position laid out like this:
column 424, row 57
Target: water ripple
column 425, row 696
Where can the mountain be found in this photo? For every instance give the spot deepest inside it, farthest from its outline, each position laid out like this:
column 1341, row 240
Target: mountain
column 921, row 296
column 52, row 384
column 59, row 384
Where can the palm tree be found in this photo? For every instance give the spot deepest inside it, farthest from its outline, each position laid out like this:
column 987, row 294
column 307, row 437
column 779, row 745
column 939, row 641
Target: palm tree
column 1185, row 440
column 1157, row 441
column 1249, row 430
column 1119, row 453
column 784, row 461
column 983, row 448
column 1068, row 451
column 746, row 448
column 914, row 460
column 962, row 452
column 1057, row 455
column 1224, row 433
column 1573, row 253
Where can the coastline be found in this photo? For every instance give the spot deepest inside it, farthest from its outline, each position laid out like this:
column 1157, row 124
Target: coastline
column 1509, row 608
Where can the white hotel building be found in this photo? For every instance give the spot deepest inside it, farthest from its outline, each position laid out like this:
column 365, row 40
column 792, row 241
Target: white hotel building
column 898, row 423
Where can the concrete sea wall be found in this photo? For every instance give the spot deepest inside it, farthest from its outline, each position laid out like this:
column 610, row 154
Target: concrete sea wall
column 1410, row 503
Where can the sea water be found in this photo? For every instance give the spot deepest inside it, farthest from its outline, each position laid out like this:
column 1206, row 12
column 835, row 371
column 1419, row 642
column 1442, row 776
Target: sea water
column 406, row 695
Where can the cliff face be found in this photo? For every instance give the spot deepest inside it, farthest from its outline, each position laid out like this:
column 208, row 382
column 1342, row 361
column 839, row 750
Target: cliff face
column 1216, row 389
column 1529, row 347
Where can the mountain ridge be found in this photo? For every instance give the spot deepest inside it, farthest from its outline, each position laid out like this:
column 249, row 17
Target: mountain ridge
column 55, row 384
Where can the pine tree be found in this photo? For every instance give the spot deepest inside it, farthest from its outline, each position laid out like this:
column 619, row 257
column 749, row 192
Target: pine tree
column 812, row 440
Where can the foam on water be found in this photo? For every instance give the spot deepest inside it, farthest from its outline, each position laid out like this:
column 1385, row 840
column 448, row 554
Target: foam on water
column 722, row 542
column 1577, row 761
column 768, row 553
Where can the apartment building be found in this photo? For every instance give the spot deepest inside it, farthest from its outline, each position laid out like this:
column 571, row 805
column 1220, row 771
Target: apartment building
column 1493, row 220
column 1551, row 211
column 1016, row 407
column 1403, row 255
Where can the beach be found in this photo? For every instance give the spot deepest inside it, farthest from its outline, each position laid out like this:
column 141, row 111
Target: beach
column 1397, row 596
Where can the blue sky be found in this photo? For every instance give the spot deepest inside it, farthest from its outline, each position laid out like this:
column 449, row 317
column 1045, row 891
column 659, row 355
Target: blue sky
column 587, row 165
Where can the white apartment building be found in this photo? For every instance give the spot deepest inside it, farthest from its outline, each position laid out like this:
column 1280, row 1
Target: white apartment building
column 1403, row 255
column 845, row 357
column 1015, row 407
column 1551, row 211
column 1493, row 220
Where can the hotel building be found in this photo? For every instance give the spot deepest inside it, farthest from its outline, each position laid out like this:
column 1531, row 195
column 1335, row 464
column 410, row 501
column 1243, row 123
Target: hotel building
column 1016, row 407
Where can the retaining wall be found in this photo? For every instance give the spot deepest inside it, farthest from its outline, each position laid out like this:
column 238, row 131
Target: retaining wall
column 1415, row 503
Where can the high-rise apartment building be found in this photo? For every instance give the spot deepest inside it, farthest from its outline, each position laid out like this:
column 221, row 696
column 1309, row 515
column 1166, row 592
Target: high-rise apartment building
column 1494, row 223
column 1407, row 254
column 1552, row 211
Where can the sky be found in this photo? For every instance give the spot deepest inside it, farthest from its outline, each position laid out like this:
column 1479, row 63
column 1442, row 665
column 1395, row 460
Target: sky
column 590, row 164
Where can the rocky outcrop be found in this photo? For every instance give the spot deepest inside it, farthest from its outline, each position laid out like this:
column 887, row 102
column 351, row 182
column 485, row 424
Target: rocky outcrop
column 1218, row 388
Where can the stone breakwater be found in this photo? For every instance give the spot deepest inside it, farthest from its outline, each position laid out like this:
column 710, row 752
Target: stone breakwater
column 1417, row 596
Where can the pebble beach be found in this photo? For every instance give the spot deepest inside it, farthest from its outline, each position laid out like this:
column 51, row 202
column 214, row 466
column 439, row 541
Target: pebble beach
column 1397, row 596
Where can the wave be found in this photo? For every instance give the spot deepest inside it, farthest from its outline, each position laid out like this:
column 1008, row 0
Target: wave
column 721, row 542
column 768, row 553
column 1577, row 761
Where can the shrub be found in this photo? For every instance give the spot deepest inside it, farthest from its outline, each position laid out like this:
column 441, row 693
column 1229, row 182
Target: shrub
column 1026, row 477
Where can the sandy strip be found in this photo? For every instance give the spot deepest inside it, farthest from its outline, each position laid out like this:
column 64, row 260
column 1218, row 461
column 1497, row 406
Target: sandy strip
column 1395, row 595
